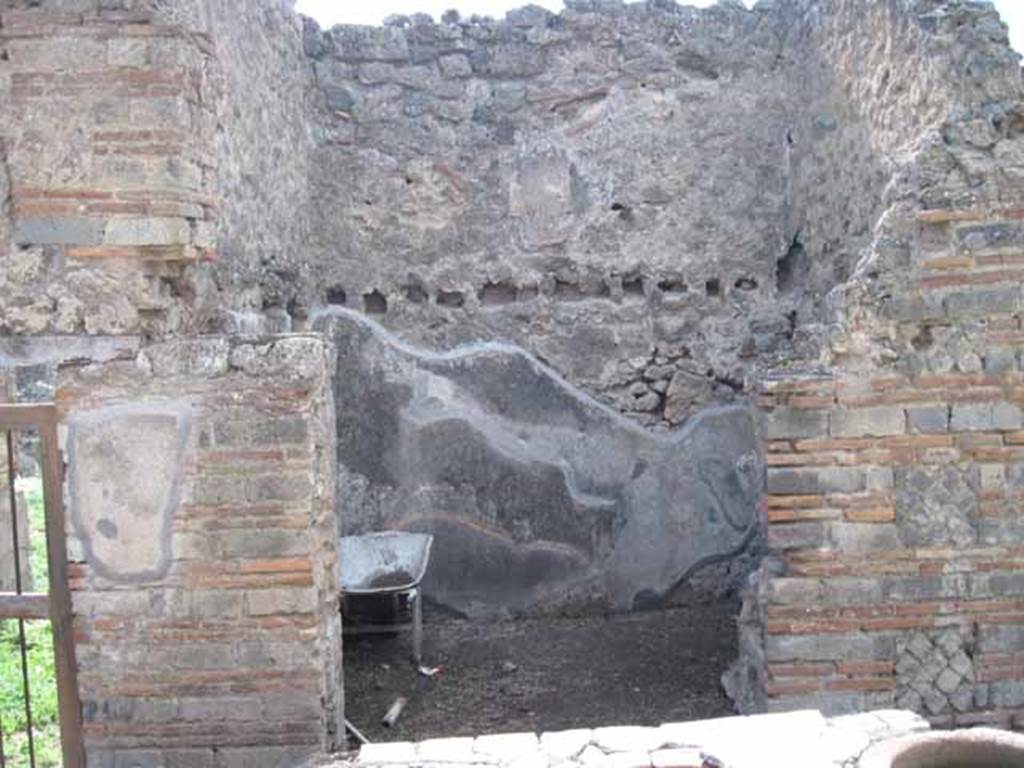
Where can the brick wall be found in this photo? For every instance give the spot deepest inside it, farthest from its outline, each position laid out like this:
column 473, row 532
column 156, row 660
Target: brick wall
column 227, row 651
column 895, row 491
column 105, row 151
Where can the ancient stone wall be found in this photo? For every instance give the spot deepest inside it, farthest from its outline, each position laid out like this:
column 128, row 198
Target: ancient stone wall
column 105, row 166
column 655, row 200
column 200, row 495
column 263, row 144
column 153, row 178
column 606, row 188
column 891, row 489
column 812, row 204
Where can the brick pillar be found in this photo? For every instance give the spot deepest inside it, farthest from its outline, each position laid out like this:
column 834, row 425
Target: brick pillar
column 107, row 159
column 895, row 501
column 200, row 478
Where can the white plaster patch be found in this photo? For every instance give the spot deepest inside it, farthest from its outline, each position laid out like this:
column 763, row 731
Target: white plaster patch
column 124, row 479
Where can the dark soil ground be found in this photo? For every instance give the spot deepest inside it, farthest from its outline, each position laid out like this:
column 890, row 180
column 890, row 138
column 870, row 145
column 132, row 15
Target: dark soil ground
column 544, row 674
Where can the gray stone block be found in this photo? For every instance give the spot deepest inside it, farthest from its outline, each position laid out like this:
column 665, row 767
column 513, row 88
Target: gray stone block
column 1001, row 638
column 792, row 423
column 1007, row 694
column 983, row 302
column 928, row 420
column 785, row 591
column 339, row 98
column 220, row 707
column 212, row 604
column 824, row 647
column 982, row 237
column 879, row 421
column 880, row 478
column 150, row 231
column 215, row 490
column 847, row 590
column 1007, row 417
column 810, row 535
column 1000, row 532
column 287, row 487
column 791, row 482
column 264, row 543
column 842, row 479
column 861, row 538
column 266, row 602
column 1000, row 360
column 370, row 43
column 985, row 417
column 57, row 230
column 923, row 587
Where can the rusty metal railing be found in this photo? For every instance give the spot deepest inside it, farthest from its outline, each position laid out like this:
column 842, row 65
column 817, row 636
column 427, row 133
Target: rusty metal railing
column 23, row 606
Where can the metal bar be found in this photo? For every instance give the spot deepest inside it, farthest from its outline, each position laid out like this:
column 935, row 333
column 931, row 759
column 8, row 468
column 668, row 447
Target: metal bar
column 26, row 689
column 3, row 759
column 22, row 645
column 43, row 418
column 12, row 497
column 417, row 627
column 360, row 737
column 72, row 745
column 27, row 605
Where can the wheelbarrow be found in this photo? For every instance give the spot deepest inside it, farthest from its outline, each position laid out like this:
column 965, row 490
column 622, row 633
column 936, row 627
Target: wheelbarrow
column 388, row 566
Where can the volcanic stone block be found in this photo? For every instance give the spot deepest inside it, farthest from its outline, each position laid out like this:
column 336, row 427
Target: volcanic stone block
column 125, row 472
column 861, row 538
column 986, row 416
column 989, row 236
column 825, row 647
column 929, row 420
column 265, row 602
column 786, row 423
column 151, row 231
column 881, row 421
column 57, row 229
column 982, row 302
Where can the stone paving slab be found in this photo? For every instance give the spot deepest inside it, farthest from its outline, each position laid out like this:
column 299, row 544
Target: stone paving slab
column 802, row 739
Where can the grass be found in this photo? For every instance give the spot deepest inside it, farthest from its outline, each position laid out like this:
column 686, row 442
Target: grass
column 39, row 644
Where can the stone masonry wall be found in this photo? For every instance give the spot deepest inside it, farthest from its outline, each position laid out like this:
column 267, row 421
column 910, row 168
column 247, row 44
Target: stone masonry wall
column 200, row 493
column 105, row 166
column 656, row 200
column 152, row 166
column 814, row 203
column 263, row 86
column 892, row 490
column 593, row 186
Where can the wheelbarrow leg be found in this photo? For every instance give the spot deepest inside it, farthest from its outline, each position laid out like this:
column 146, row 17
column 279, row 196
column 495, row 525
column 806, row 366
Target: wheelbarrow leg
column 417, row 627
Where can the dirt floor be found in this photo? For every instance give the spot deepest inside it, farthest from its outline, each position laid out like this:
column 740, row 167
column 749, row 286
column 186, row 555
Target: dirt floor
column 544, row 674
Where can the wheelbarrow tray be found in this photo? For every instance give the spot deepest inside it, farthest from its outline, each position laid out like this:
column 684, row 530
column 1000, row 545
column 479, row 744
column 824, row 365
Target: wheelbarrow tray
column 384, row 562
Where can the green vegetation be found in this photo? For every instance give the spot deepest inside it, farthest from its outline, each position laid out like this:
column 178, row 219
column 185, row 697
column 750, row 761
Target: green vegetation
column 42, row 677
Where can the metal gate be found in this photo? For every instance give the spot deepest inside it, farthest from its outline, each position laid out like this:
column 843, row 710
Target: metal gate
column 24, row 606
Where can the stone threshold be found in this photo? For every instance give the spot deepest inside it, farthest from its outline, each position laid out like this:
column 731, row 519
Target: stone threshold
column 803, row 739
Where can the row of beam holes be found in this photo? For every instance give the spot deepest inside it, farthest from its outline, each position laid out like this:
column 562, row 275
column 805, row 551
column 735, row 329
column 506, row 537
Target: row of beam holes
column 496, row 294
